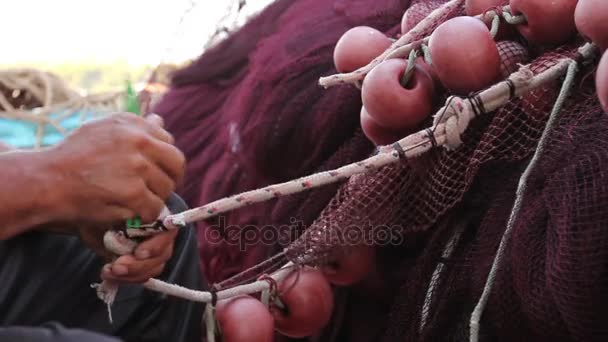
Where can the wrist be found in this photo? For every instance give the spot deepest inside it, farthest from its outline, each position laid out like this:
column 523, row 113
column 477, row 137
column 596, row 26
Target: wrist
column 53, row 188
column 25, row 195
column 49, row 196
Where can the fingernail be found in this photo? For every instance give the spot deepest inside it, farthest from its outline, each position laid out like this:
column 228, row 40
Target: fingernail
column 120, row 270
column 142, row 254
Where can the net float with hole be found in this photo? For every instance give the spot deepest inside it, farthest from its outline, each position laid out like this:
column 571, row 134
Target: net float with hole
column 591, row 18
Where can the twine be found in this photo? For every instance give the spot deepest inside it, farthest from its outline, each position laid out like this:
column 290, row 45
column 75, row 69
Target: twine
column 55, row 97
column 210, row 322
column 409, row 70
column 206, row 297
column 495, row 14
column 517, row 206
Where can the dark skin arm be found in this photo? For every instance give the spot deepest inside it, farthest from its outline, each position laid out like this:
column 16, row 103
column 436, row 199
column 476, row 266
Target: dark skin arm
column 105, row 172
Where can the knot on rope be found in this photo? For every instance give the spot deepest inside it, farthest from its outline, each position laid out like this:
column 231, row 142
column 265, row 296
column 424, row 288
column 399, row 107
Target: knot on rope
column 118, row 243
column 522, row 78
column 454, row 120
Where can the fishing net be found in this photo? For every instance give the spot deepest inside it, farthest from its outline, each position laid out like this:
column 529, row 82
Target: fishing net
column 549, row 287
column 38, row 108
column 449, row 209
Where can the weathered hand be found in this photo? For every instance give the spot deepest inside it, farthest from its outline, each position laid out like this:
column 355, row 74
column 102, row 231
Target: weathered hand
column 114, row 169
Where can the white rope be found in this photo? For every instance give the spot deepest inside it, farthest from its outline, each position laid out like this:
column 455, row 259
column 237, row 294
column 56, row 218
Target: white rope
column 206, row 297
column 210, row 322
column 521, row 191
column 450, row 122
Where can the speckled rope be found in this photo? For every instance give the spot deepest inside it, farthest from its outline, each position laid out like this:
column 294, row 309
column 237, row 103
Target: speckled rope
column 450, row 122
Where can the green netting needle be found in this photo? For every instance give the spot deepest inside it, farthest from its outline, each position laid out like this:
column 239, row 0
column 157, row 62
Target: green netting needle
column 131, row 101
column 132, row 106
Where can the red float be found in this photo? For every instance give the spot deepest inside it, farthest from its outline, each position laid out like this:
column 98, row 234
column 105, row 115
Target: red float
column 377, row 134
column 244, row 319
column 359, row 46
column 417, row 12
column 547, row 22
column 351, row 266
column 465, row 55
column 308, row 301
column 591, row 18
column 391, row 104
column 601, row 81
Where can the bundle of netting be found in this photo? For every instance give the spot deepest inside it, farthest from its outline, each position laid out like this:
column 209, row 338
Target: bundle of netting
column 479, row 216
column 249, row 112
column 38, row 108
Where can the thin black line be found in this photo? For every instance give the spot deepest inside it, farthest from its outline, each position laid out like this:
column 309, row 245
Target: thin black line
column 511, row 88
column 400, row 151
column 445, row 109
column 432, row 138
column 213, row 292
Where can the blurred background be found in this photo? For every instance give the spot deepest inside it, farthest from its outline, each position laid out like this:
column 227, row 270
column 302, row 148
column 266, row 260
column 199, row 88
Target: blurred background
column 95, row 45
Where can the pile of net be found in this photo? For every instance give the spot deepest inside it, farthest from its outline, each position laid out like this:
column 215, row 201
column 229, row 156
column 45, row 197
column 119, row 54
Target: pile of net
column 38, row 108
column 448, row 209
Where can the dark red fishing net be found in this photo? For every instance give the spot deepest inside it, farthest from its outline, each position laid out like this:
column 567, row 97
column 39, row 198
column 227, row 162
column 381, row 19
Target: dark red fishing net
column 264, row 120
column 250, row 113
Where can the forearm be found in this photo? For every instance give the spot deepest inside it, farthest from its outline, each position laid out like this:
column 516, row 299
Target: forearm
column 25, row 192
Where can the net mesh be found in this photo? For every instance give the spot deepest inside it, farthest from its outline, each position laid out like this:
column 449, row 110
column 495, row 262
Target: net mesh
column 414, row 194
column 551, row 284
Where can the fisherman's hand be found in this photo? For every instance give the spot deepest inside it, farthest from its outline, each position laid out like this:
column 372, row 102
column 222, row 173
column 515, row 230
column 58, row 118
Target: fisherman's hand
column 114, row 169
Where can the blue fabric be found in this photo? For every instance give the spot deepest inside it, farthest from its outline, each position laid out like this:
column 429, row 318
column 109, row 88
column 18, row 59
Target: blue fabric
column 22, row 134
